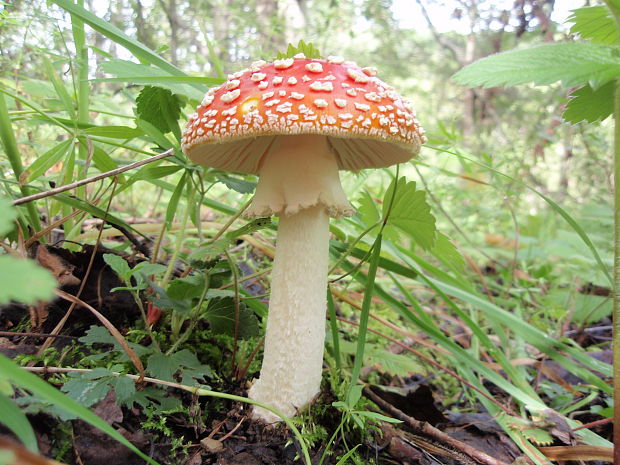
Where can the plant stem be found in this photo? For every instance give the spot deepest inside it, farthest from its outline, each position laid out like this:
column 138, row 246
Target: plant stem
column 7, row 136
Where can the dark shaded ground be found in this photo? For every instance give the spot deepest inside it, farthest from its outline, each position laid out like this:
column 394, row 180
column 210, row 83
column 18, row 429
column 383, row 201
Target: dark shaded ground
column 222, row 433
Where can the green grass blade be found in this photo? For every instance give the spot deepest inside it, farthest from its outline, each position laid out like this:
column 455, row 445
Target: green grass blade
column 7, row 136
column 15, row 420
column 333, row 324
column 138, row 49
column 364, row 315
column 33, row 383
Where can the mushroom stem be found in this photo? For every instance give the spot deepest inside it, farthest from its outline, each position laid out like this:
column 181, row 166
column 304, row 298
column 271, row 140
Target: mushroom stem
column 299, row 182
column 293, row 356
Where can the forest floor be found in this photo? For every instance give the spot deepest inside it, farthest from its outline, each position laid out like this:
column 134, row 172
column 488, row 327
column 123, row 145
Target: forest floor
column 222, row 432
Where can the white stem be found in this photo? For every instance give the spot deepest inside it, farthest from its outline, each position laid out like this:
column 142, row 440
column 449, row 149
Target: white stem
column 292, row 364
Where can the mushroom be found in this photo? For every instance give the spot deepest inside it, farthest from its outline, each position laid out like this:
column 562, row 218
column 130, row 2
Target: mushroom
column 295, row 122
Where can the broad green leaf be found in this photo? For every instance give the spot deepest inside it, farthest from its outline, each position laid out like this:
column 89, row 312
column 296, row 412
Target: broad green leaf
column 190, row 287
column 119, row 265
column 160, row 107
column 114, row 132
column 571, row 63
column 124, row 388
column 39, row 387
column 447, row 252
column 367, row 209
column 164, row 367
column 15, row 420
column 595, row 23
column 221, row 316
column 24, row 281
column 45, row 161
column 7, row 215
column 587, row 104
column 88, row 390
column 411, row 213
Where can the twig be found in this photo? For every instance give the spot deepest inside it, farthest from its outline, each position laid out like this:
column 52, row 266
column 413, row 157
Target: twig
column 41, row 335
column 431, row 432
column 107, row 174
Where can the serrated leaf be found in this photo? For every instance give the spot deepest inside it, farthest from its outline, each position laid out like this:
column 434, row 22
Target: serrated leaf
column 595, row 23
column 7, row 215
column 24, row 281
column 206, row 253
column 159, row 107
column 309, row 50
column 411, row 213
column 571, row 63
column 164, row 367
column 124, row 388
column 238, row 185
column 587, row 104
column 446, row 251
column 119, row 265
column 86, row 392
column 161, row 366
column 190, row 287
column 367, row 209
column 221, row 316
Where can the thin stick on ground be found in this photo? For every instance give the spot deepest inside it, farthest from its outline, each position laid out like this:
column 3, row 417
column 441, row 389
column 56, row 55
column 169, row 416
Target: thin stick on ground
column 98, row 177
column 432, row 432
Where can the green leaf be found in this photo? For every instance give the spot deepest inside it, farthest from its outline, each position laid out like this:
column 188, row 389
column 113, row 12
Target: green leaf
column 221, row 316
column 160, row 107
column 595, row 23
column 119, row 265
column 571, row 63
column 24, row 281
column 164, row 367
column 238, row 185
column 190, row 287
column 39, row 387
column 114, row 132
column 154, row 172
column 15, row 420
column 587, row 104
column 103, row 161
column 367, row 209
column 85, row 391
column 124, row 388
column 446, row 251
column 45, row 161
column 255, row 225
column 411, row 213
column 309, row 50
column 7, row 215
column 136, row 73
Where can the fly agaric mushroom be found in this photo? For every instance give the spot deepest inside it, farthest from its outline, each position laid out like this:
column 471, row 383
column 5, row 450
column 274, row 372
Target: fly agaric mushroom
column 295, row 122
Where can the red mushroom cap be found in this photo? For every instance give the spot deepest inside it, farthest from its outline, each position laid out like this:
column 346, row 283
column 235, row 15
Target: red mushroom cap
column 367, row 122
